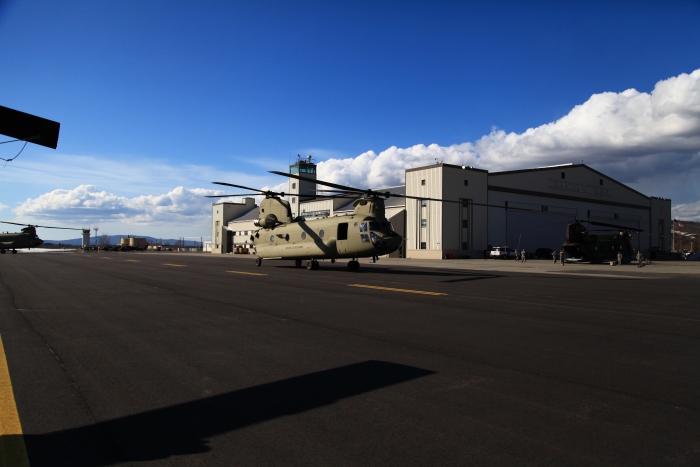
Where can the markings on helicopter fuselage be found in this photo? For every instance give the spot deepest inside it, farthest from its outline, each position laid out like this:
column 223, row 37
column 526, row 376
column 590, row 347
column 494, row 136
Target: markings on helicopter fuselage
column 12, row 449
column 248, row 273
column 392, row 289
column 175, row 265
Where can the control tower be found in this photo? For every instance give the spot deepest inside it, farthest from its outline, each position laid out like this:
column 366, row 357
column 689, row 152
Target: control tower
column 304, row 168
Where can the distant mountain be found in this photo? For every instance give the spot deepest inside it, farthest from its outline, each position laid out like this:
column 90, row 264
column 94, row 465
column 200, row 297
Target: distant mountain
column 115, row 239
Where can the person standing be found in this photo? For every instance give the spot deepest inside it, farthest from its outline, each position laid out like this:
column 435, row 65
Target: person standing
column 648, row 257
column 639, row 258
column 484, row 252
column 619, row 257
column 561, row 256
column 517, row 255
column 554, row 256
column 523, row 255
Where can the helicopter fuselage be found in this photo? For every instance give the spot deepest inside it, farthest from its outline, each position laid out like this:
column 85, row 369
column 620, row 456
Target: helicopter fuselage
column 589, row 247
column 25, row 239
column 353, row 236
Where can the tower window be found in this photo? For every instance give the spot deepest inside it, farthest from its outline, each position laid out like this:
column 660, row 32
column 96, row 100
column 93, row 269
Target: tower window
column 601, row 181
column 423, row 223
column 466, row 183
column 423, row 202
column 294, row 185
column 422, row 182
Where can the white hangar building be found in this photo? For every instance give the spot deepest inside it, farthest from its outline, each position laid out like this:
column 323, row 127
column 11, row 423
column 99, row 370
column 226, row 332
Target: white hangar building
column 521, row 208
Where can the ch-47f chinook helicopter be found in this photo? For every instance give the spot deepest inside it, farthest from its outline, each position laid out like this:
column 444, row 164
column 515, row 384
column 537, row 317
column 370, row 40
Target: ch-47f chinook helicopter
column 26, row 238
column 581, row 245
column 366, row 233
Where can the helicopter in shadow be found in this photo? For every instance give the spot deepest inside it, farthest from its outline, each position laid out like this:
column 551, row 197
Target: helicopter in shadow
column 582, row 245
column 26, row 238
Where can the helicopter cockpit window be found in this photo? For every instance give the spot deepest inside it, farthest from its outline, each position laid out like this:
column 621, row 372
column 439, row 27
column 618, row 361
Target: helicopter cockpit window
column 303, row 235
column 272, row 239
column 386, row 226
column 374, row 226
column 321, row 233
column 363, row 227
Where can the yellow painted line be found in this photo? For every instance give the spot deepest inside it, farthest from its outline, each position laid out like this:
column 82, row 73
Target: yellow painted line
column 391, row 289
column 175, row 265
column 134, row 260
column 13, row 452
column 249, row 273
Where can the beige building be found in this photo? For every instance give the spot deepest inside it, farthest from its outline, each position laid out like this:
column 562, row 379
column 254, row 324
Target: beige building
column 524, row 209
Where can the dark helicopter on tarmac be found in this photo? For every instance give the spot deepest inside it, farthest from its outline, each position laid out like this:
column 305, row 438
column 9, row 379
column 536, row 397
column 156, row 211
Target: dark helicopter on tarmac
column 26, row 238
column 582, row 245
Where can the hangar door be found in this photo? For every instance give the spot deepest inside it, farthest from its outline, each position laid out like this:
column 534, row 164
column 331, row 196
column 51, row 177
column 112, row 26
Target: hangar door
column 532, row 226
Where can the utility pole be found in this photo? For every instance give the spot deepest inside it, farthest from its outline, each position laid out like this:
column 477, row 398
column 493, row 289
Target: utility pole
column 95, row 229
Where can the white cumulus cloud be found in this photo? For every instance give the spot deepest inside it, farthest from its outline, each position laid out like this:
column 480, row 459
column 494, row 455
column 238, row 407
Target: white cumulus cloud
column 650, row 141
column 87, row 204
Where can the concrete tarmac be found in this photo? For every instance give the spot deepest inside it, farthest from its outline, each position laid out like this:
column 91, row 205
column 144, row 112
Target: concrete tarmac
column 197, row 359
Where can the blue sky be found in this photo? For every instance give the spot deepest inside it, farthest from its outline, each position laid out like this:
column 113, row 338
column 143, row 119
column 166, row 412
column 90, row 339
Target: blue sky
column 153, row 96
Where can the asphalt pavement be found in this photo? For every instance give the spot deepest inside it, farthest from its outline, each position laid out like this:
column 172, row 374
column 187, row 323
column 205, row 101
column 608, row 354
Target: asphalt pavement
column 198, row 359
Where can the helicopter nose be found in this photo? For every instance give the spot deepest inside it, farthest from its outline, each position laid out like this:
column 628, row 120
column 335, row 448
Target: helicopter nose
column 39, row 242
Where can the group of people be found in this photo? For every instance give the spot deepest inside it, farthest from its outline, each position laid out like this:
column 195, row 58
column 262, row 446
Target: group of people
column 561, row 256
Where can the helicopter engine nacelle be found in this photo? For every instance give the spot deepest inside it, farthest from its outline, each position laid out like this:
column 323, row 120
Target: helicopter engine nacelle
column 267, row 222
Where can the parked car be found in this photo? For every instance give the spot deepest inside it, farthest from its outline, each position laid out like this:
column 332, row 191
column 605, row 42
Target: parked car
column 502, row 252
column 693, row 256
column 543, row 253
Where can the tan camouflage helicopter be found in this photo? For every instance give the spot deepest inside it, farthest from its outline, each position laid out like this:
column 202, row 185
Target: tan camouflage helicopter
column 366, row 233
column 27, row 238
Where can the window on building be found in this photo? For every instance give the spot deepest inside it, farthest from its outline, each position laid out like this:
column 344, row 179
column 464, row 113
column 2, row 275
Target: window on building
column 423, row 202
column 465, row 223
column 294, row 185
column 601, row 181
column 422, row 182
column 466, row 183
column 617, row 216
column 545, row 208
column 294, row 200
column 465, row 245
column 465, row 203
column 563, row 175
column 423, row 223
column 422, row 245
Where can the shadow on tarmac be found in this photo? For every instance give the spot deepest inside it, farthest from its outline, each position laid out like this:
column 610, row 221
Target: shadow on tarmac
column 183, row 429
column 463, row 276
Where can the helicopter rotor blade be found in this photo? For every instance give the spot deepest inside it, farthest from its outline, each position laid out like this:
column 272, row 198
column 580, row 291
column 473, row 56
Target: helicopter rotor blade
column 240, row 186
column 620, row 227
column 39, row 226
column 318, row 182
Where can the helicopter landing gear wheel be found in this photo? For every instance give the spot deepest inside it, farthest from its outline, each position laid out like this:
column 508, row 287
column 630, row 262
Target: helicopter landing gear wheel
column 353, row 265
column 258, row 261
column 332, row 260
column 312, row 265
column 297, row 263
column 14, row 252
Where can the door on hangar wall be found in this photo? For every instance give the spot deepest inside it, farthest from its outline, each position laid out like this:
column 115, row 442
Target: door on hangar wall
column 533, row 226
